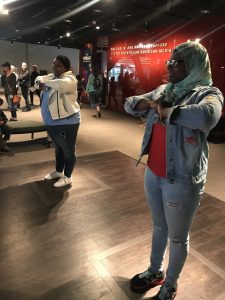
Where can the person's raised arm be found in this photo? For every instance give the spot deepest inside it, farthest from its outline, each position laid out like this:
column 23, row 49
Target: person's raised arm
column 145, row 104
column 140, row 105
column 200, row 116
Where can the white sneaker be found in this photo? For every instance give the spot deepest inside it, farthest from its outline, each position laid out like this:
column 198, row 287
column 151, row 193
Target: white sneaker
column 54, row 175
column 63, row 181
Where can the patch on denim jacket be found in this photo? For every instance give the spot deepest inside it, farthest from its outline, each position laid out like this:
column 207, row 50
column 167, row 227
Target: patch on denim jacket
column 191, row 140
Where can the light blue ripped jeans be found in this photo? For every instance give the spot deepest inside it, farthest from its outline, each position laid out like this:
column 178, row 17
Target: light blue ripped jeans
column 173, row 207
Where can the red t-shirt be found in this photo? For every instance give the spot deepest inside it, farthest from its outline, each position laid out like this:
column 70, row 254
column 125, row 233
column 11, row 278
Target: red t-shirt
column 157, row 150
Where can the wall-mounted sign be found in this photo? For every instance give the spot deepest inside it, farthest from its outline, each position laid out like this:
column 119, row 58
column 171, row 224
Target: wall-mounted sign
column 140, row 49
column 141, row 56
column 146, row 60
column 86, row 59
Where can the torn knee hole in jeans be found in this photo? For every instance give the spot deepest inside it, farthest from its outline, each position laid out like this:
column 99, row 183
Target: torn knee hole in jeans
column 174, row 205
column 179, row 242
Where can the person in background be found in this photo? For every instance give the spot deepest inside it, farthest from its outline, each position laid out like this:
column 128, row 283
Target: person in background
column 132, row 85
column 112, row 91
column 9, row 84
column 61, row 115
column 125, row 88
column 180, row 115
column 104, row 90
column 80, row 89
column 137, row 81
column 4, row 131
column 3, row 82
column 24, row 83
column 120, row 80
column 94, row 89
column 34, row 74
column 14, row 70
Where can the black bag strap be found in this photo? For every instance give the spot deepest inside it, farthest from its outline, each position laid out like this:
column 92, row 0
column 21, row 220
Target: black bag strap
column 9, row 85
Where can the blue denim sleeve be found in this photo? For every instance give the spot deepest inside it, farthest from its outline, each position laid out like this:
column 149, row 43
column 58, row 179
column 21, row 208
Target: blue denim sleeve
column 132, row 102
column 203, row 115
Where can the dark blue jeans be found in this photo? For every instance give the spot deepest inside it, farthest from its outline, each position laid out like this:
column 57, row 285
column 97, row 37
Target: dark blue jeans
column 12, row 106
column 64, row 138
column 95, row 98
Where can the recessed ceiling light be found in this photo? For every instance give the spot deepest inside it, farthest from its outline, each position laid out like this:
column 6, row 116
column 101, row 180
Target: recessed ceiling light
column 68, row 21
column 38, row 42
column 17, row 30
column 68, row 34
column 61, row 36
column 97, row 10
column 97, row 27
column 205, row 11
column 115, row 29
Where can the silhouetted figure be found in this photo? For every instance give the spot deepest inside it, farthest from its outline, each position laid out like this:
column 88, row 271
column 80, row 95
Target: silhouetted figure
column 80, row 89
column 34, row 74
column 24, row 83
column 120, row 80
column 94, row 89
column 112, row 91
column 9, row 84
column 125, row 87
column 104, row 90
column 132, row 85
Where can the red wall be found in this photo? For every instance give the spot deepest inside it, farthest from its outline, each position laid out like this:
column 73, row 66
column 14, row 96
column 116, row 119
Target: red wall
column 150, row 67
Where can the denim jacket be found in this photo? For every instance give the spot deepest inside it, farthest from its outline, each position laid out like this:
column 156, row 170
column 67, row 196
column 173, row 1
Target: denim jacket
column 187, row 128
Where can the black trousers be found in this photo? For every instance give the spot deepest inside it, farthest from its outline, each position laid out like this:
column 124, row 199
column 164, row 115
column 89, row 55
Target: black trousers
column 37, row 92
column 24, row 90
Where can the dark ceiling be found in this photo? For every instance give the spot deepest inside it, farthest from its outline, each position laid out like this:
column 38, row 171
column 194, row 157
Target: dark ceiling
column 47, row 21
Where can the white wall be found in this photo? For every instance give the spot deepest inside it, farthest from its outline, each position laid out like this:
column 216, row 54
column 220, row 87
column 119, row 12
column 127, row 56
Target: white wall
column 40, row 55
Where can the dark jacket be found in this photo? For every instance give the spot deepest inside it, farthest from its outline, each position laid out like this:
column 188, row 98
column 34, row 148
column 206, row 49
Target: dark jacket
column 9, row 84
column 33, row 76
column 3, row 117
column 24, row 78
column 3, row 80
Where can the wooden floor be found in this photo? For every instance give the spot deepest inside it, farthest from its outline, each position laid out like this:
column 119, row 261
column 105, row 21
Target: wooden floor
column 85, row 242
